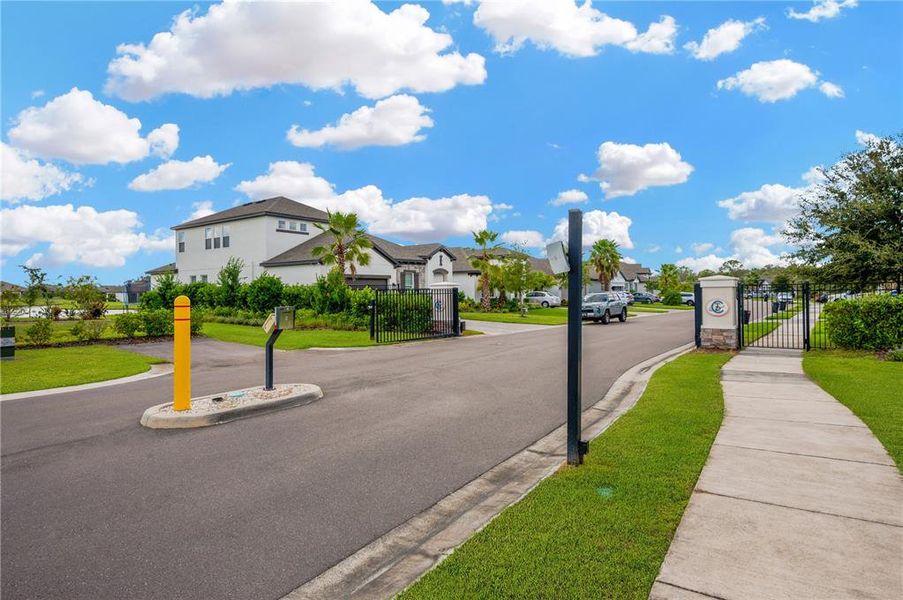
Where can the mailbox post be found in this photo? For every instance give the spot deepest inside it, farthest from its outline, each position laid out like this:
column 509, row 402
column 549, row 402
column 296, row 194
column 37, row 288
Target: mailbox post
column 283, row 318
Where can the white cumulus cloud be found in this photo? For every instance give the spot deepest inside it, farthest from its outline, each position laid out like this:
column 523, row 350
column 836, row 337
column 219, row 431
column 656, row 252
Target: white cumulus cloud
column 321, row 45
column 415, row 219
column 81, row 130
column 752, row 246
column 864, row 138
column 625, row 169
column 81, row 235
column 201, row 209
column 775, row 80
column 527, row 238
column 569, row 197
column 822, row 9
column 571, row 29
column 773, row 203
column 178, row 174
column 702, row 247
column 395, row 121
column 26, row 178
column 724, row 38
column 598, row 224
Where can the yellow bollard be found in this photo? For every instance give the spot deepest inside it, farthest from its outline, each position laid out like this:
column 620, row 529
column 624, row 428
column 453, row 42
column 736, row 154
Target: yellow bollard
column 181, row 354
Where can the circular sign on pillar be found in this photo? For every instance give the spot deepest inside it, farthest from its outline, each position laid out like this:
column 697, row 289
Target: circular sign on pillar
column 717, row 307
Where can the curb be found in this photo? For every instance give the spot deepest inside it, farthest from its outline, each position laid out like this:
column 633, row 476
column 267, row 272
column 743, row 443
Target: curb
column 161, row 417
column 389, row 564
column 156, row 370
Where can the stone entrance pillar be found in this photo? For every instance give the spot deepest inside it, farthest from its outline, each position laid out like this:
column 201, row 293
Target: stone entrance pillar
column 719, row 312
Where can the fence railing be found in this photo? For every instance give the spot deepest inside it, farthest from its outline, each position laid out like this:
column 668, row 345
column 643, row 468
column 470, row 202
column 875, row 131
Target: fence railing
column 414, row 314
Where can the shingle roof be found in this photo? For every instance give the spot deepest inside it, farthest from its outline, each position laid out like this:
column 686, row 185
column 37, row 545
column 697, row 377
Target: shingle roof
column 302, row 254
column 633, row 271
column 280, row 206
column 461, row 264
column 167, row 268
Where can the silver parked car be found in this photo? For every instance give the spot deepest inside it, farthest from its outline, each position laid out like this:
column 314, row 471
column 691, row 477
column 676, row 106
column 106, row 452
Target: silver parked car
column 544, row 299
column 602, row 307
column 688, row 298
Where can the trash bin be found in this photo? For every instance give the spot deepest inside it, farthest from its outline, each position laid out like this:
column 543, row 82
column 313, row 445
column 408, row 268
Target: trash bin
column 783, row 304
column 745, row 317
column 775, row 307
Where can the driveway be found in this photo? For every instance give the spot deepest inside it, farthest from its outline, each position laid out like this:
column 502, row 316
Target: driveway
column 95, row 506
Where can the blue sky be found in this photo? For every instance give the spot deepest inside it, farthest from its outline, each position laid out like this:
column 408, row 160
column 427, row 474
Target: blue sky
column 479, row 115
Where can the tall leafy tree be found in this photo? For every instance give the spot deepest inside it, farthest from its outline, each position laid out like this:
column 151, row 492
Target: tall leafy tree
column 486, row 245
column 606, row 260
column 347, row 243
column 668, row 278
column 851, row 223
column 37, row 285
column 229, row 278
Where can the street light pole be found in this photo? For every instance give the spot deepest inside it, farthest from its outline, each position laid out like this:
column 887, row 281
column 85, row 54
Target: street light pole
column 575, row 448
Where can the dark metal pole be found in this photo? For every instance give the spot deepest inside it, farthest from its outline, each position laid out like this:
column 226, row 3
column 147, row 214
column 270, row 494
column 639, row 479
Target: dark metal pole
column 806, row 331
column 697, row 313
column 269, row 359
column 575, row 332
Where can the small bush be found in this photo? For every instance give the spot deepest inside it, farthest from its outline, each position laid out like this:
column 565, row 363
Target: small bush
column 156, row 322
column 40, row 332
column 869, row 323
column 197, row 320
column 895, row 355
column 299, row 296
column 94, row 309
column 672, row 298
column 128, row 324
column 264, row 293
column 359, row 303
column 88, row 330
column 151, row 300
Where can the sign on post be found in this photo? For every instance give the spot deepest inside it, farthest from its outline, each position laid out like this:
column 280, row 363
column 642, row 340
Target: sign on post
column 558, row 257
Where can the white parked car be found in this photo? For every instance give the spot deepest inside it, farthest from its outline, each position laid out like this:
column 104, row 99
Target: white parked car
column 688, row 298
column 543, row 299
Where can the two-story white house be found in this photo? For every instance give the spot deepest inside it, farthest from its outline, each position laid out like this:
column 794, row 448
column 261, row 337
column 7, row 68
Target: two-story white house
column 278, row 235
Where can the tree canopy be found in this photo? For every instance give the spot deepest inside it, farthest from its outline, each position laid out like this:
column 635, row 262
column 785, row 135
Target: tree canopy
column 851, row 223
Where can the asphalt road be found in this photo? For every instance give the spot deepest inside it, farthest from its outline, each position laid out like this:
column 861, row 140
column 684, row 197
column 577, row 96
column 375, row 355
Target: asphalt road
column 95, row 506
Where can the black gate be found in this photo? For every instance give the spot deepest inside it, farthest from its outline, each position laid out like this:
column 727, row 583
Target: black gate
column 791, row 315
column 774, row 316
column 414, row 314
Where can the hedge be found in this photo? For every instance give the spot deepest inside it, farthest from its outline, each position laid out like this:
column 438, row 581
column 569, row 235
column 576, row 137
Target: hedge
column 868, row 323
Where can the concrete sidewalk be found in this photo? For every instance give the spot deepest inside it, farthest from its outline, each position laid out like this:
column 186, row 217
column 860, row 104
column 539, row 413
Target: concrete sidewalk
column 797, row 500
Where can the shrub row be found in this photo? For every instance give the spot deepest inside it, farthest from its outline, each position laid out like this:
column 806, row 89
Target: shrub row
column 869, row 323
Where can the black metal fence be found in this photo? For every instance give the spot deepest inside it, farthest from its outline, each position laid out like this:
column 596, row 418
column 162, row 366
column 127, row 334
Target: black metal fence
column 414, row 314
column 792, row 315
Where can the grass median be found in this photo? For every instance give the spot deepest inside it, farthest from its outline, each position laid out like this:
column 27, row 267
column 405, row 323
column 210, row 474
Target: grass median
column 868, row 386
column 293, row 339
column 753, row 331
column 601, row 530
column 44, row 368
column 535, row 316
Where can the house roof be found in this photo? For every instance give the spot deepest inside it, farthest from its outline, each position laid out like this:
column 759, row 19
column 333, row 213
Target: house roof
column 461, row 262
column 112, row 289
column 167, row 268
column 280, row 206
column 633, row 271
column 302, row 254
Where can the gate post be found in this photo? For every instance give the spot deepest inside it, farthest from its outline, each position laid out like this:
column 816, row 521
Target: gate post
column 697, row 314
column 456, row 312
column 806, row 316
column 721, row 306
column 373, row 315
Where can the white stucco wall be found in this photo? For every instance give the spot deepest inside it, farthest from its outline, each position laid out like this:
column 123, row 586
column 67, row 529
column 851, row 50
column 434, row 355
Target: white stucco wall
column 439, row 260
column 252, row 240
column 306, row 274
column 466, row 283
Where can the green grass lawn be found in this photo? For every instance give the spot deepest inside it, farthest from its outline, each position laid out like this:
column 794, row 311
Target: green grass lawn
column 600, row 530
column 45, row 368
column 784, row 314
column 647, row 308
column 61, row 330
column 670, row 306
column 294, row 339
column 753, row 331
column 868, row 386
column 535, row 316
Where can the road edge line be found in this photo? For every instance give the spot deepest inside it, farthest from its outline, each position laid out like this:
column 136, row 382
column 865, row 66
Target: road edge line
column 394, row 561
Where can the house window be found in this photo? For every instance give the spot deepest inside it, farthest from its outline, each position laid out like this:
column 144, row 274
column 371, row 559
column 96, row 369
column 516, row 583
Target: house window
column 280, row 224
column 194, row 278
column 292, row 226
column 408, row 280
column 225, row 236
column 302, row 227
column 208, row 238
column 204, row 278
column 440, row 260
column 181, row 239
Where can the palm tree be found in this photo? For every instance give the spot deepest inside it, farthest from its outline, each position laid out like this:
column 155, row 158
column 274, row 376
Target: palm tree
column 606, row 259
column 348, row 245
column 485, row 241
column 668, row 278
